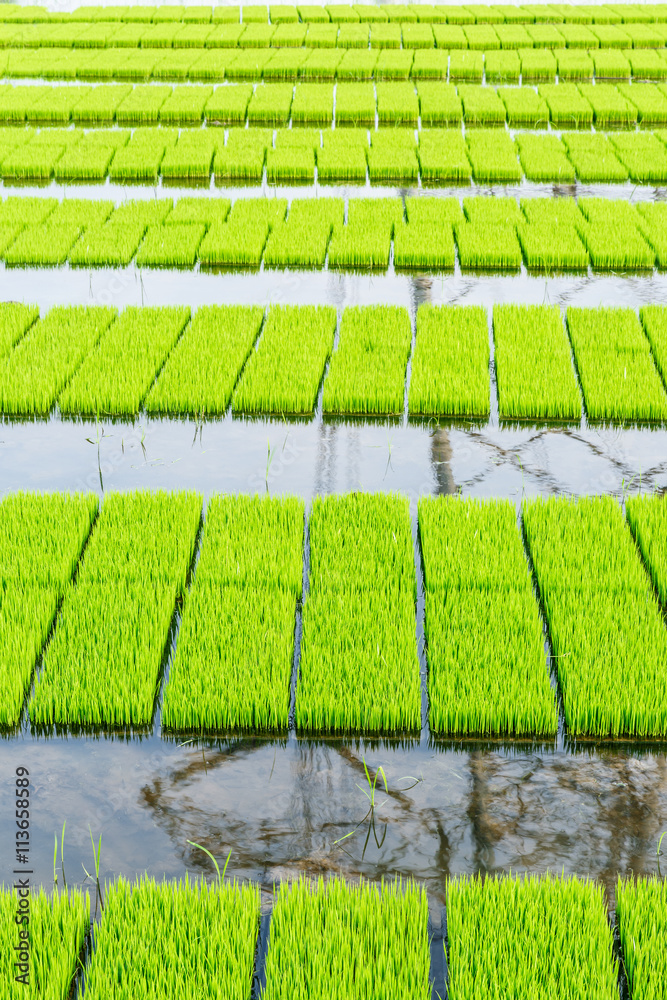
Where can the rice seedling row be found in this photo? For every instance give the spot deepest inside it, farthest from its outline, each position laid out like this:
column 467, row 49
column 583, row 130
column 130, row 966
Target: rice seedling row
column 233, row 662
column 485, row 648
column 184, row 939
column 450, row 364
column 543, row 935
column 359, row 635
column 606, row 629
column 103, row 663
column 641, row 913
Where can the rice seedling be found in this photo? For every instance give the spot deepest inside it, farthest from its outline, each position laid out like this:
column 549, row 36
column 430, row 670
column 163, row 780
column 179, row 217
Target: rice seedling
column 397, row 104
column 54, row 105
column 654, row 321
column 41, row 537
column 614, row 240
column 424, row 244
column 289, row 36
column 485, row 647
column 601, row 611
column 142, row 545
column 550, row 245
column 342, row 158
column 55, row 931
column 371, row 14
column 99, row 105
column 443, row 156
column 184, row 939
column 466, row 66
column 15, row 320
column 578, row 37
column 513, row 36
column 646, row 65
column 481, row 37
column 429, row 65
column 357, row 64
column 612, row 37
column 642, row 154
column 365, row 242
column 538, row 66
column 644, row 36
column 487, row 246
column 534, row 370
column 616, row 369
column 417, row 36
column 142, row 105
column 482, row 106
column 44, row 360
column 14, row 102
column 650, row 102
column 641, row 913
column 249, row 64
column 321, row 64
column 208, row 211
column 226, row 15
column 312, row 14
column 241, row 160
column 285, row 64
column 525, row 107
column 567, row 106
column 389, row 160
column 544, row 158
column 610, row 107
column 201, row 371
column 302, row 241
column 142, row 158
column 241, row 240
column 185, row 105
column 117, row 374
column 137, row 65
column 358, row 618
column 439, row 105
column 363, row 940
column 536, row 935
column 355, row 104
column 367, row 371
column 32, row 161
column 295, row 165
column 502, row 67
column 493, row 157
column 341, row 13
column 386, row 36
column 574, row 65
column 190, row 159
column 170, row 245
column 594, row 158
column 353, row 36
column 239, row 618
column 450, row 364
column 271, row 381
column 611, row 65
column 271, row 104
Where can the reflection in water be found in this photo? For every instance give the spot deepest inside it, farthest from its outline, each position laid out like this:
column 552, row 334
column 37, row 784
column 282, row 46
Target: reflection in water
column 441, row 458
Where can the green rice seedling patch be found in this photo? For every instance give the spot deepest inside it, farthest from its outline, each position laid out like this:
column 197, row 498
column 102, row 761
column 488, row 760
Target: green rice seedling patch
column 228, row 105
column 538, row 66
column 289, row 36
column 355, row 104
column 466, row 66
column 134, row 569
column 271, row 104
column 233, row 662
column 544, row 158
column 285, row 64
column 201, row 371
column 483, row 246
column 612, row 37
column 15, row 320
column 22, row 212
column 353, row 36
column 367, row 939
column 544, row 36
column 614, row 244
column 142, row 105
column 32, row 161
column 642, row 154
column 136, row 65
column 321, row 64
column 578, row 37
column 594, row 157
column 212, row 65
column 312, row 14
column 112, row 244
column 420, row 245
column 322, row 36
column 439, row 105
column 99, row 105
column 617, row 372
column 549, row 246
column 171, row 245
column 359, row 623
column 302, row 240
column 208, row 211
column 429, row 65
column 55, row 104
column 654, row 321
column 574, row 65
column 417, row 36
column 43, row 245
column 365, row 242
column 443, row 156
column 183, row 939
column 610, row 107
column 641, row 913
column 646, row 65
column 291, row 165
column 80, row 212
column 241, row 161
column 652, row 217
column 86, row 161
column 367, row 371
column 397, row 104
column 493, row 157
column 371, row 14
column 650, row 102
column 55, row 935
column 41, row 537
column 357, row 64
column 513, row 36
column 185, row 105
column 190, row 159
column 498, row 211
column 548, row 932
column 534, row 370
column 433, row 211
column 395, row 65
column 141, row 159
column 502, row 67
column 482, row 106
column 338, row 162
column 481, row 37
column 450, row 364
column 284, row 374
column 646, row 516
column 389, row 162
column 342, row 13
column 313, row 104
column 644, row 36
column 485, row 646
column 386, row 36
column 249, row 64
column 174, row 64
column 44, row 360
column 601, row 610
column 240, row 241
column 449, row 37
column 193, row 36
column 525, row 107
column 116, row 375
column 611, row 65
column 567, row 106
